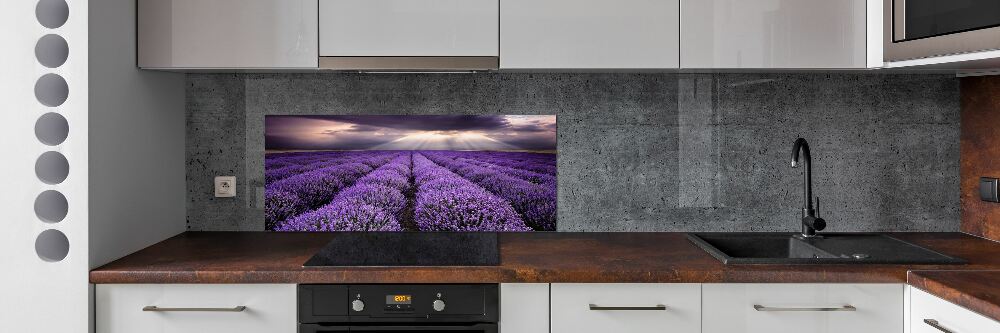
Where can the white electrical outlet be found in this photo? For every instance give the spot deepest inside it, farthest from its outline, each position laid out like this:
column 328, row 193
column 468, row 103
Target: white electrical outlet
column 225, row 186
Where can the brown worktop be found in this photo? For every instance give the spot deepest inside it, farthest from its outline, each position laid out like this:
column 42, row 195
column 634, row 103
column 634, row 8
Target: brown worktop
column 262, row 257
column 978, row 291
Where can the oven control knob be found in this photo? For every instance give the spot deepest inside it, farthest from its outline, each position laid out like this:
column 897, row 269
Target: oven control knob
column 358, row 305
column 438, row 305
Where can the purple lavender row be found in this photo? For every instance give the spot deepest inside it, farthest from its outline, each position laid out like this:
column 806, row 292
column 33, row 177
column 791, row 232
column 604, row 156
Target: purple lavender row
column 448, row 202
column 533, row 162
column 489, row 160
column 374, row 203
column 535, row 203
column 296, row 194
column 507, row 156
column 275, row 174
column 531, row 176
column 278, row 160
column 547, row 167
column 280, row 167
column 272, row 175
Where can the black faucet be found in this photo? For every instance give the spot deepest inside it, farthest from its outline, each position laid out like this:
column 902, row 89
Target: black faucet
column 810, row 221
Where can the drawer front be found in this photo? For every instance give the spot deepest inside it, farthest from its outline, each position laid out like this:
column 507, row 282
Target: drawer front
column 633, row 308
column 269, row 308
column 947, row 316
column 803, row 308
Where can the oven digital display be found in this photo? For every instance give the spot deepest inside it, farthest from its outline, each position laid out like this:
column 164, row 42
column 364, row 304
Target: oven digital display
column 398, row 299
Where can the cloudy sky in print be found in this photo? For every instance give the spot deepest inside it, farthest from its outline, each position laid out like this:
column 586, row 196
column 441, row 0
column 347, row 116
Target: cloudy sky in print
column 378, row 132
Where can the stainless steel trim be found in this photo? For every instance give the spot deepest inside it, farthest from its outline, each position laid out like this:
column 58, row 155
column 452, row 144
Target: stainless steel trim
column 820, row 309
column 958, row 43
column 934, row 323
column 658, row 307
column 409, row 63
column 240, row 308
column 898, row 19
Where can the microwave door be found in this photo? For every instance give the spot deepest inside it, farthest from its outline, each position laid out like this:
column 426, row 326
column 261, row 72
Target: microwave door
column 917, row 19
column 915, row 29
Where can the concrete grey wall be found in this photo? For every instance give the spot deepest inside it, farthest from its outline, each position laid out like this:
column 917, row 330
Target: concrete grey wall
column 637, row 152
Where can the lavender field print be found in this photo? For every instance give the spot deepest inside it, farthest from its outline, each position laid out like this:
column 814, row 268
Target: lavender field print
column 410, row 173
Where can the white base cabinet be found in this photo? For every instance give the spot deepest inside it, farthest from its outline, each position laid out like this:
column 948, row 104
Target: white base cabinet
column 570, row 307
column 270, row 308
column 524, row 307
column 626, row 307
column 930, row 314
column 803, row 308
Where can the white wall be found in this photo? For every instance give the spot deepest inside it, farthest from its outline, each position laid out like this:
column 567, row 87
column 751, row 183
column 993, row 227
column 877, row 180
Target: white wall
column 38, row 295
column 137, row 186
column 137, row 131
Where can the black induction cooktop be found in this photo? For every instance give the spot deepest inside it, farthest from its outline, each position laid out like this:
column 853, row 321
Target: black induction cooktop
column 409, row 249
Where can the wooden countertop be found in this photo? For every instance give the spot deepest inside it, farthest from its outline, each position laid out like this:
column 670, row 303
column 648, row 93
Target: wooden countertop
column 978, row 291
column 260, row 257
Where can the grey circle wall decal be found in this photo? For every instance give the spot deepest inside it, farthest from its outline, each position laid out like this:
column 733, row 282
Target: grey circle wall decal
column 51, row 129
column 52, row 168
column 51, row 90
column 51, row 51
column 52, row 245
column 51, row 206
column 52, row 13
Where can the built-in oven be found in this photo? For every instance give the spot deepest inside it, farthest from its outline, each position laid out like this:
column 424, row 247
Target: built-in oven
column 916, row 29
column 377, row 308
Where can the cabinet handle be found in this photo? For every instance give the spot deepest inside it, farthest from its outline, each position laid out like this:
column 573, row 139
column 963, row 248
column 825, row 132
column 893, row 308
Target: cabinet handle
column 595, row 307
column 934, row 323
column 159, row 309
column 768, row 308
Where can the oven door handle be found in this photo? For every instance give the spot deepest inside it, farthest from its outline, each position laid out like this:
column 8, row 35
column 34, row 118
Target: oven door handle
column 484, row 328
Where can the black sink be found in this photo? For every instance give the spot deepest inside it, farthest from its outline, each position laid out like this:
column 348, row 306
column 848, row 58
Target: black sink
column 834, row 248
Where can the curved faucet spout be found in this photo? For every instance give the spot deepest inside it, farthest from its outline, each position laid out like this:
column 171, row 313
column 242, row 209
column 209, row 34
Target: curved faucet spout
column 810, row 222
column 802, row 146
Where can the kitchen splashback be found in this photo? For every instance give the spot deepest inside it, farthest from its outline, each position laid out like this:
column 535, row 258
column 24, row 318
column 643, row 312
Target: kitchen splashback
column 637, row 152
column 980, row 146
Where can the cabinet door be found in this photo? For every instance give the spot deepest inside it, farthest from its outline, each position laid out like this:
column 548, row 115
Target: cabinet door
column 227, row 34
column 270, row 308
column 425, row 28
column 803, row 308
column 773, row 34
column 524, row 307
column 589, row 34
column 627, row 307
column 927, row 310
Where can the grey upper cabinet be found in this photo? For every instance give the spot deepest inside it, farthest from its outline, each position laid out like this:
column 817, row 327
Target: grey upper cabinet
column 409, row 34
column 589, row 34
column 509, row 34
column 807, row 34
column 220, row 34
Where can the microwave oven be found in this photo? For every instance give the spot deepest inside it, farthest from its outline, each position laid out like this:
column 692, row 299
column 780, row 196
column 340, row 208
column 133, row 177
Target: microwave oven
column 915, row 29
